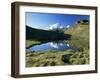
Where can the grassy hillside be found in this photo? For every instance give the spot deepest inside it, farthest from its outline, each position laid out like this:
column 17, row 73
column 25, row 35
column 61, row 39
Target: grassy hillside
column 54, row 58
column 80, row 36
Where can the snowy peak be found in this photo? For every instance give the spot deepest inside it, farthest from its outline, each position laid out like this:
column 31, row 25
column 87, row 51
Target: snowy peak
column 57, row 26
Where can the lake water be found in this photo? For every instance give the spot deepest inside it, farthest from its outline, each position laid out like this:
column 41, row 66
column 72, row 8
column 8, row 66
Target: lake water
column 51, row 46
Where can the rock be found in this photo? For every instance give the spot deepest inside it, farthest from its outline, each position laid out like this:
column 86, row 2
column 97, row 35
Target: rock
column 65, row 58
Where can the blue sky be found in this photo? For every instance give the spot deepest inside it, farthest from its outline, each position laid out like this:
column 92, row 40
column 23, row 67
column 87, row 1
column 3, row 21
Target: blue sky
column 45, row 20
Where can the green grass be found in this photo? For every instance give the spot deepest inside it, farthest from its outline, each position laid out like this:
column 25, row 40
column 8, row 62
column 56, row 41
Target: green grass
column 80, row 36
column 54, row 58
column 31, row 42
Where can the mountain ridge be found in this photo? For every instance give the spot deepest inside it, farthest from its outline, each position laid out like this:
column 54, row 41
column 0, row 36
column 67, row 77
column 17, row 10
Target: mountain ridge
column 38, row 34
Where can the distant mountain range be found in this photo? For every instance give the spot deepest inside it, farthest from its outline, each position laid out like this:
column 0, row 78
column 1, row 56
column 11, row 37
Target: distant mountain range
column 58, row 33
column 53, row 27
column 38, row 34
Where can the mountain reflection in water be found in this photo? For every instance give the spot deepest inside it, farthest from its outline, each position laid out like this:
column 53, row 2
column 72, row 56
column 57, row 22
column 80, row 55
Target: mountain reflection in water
column 57, row 46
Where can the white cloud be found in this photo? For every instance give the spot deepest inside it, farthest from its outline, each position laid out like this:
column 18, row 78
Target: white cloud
column 54, row 26
column 61, row 27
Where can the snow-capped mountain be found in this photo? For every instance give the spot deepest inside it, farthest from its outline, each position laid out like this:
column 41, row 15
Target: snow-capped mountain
column 57, row 26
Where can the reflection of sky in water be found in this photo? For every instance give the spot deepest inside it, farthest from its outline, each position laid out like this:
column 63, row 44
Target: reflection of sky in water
column 51, row 46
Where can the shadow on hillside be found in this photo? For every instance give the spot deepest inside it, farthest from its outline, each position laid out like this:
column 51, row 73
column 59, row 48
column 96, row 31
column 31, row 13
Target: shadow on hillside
column 44, row 35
